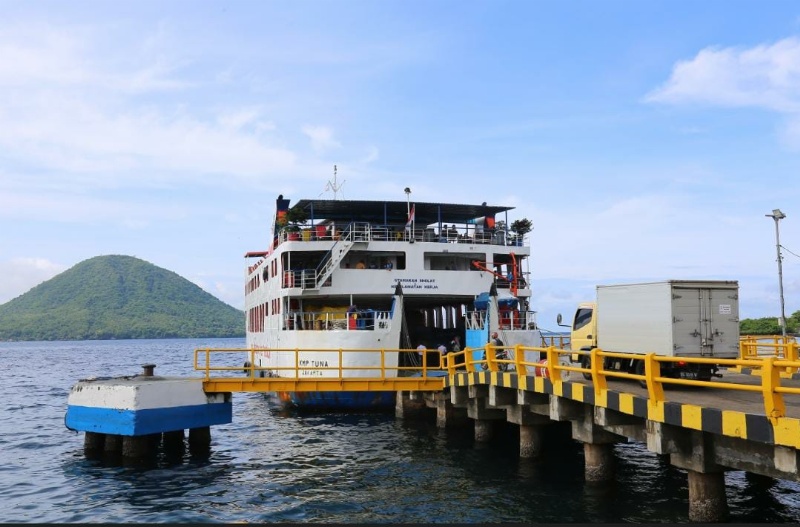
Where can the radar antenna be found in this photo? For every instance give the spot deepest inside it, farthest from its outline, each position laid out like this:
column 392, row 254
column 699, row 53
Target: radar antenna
column 332, row 185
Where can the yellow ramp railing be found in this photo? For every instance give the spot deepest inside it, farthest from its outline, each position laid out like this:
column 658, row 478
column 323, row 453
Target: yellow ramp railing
column 318, row 369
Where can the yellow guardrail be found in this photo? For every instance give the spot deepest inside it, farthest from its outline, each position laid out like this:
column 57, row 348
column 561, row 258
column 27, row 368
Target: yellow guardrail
column 559, row 341
column 322, row 369
column 331, row 372
column 752, row 346
column 772, row 386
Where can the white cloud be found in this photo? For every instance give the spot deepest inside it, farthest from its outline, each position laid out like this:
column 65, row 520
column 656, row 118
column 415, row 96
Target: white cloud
column 76, row 116
column 21, row 274
column 321, row 138
column 764, row 76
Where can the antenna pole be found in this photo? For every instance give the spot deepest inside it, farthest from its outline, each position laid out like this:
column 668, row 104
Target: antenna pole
column 332, row 185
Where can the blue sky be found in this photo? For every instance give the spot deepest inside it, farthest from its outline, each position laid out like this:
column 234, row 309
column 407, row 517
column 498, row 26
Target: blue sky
column 644, row 140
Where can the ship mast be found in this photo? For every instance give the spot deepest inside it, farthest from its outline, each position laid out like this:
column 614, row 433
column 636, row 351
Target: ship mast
column 332, row 185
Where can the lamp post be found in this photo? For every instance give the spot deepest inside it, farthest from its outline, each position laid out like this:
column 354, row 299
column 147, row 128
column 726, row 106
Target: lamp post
column 408, row 201
column 777, row 215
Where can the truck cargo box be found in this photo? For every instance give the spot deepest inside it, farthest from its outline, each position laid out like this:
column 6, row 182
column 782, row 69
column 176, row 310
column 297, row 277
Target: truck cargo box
column 683, row 318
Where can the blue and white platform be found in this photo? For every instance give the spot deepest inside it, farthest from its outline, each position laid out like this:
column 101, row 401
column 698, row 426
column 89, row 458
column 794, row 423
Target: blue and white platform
column 142, row 406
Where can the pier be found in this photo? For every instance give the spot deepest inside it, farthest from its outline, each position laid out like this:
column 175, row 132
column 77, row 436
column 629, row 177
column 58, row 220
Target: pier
column 748, row 420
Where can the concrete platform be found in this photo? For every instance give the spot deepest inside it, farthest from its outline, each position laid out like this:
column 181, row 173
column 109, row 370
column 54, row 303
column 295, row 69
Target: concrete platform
column 144, row 404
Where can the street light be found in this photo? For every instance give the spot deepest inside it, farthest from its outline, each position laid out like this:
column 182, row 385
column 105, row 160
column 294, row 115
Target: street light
column 408, row 201
column 777, row 215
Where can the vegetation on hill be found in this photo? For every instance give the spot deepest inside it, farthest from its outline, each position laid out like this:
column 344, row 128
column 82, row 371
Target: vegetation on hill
column 117, row 297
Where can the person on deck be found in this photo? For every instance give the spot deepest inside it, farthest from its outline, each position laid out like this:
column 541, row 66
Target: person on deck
column 500, row 352
column 455, row 347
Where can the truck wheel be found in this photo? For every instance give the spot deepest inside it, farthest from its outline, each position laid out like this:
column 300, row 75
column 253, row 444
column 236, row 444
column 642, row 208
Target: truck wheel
column 640, row 371
column 586, row 362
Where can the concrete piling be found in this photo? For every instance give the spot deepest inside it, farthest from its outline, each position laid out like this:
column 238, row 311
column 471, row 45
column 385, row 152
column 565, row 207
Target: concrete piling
column 707, row 500
column 112, row 445
column 200, row 441
column 137, row 447
column 531, row 438
column 448, row 415
column 599, row 462
column 410, row 405
column 174, row 443
column 484, row 430
column 93, row 444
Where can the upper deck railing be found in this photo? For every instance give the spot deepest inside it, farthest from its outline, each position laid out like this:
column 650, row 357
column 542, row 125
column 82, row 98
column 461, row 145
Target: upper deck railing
column 466, row 234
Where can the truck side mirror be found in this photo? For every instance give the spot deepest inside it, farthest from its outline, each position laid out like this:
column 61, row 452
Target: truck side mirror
column 559, row 319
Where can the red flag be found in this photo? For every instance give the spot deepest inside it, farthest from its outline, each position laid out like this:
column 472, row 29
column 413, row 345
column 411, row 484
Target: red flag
column 410, row 219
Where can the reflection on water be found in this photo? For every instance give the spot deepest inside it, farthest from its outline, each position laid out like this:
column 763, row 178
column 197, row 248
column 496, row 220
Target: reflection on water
column 272, row 465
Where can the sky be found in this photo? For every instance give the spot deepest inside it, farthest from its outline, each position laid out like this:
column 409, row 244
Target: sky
column 644, row 140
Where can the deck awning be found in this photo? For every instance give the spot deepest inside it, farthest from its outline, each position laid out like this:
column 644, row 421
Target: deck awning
column 394, row 212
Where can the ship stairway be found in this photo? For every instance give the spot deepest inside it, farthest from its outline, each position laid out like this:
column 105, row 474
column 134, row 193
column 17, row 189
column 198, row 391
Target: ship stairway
column 350, row 235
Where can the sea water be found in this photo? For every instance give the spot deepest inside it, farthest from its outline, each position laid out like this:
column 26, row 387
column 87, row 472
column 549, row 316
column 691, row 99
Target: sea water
column 270, row 465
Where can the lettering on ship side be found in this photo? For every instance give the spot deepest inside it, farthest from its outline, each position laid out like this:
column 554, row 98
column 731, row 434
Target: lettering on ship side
column 415, row 283
column 306, row 363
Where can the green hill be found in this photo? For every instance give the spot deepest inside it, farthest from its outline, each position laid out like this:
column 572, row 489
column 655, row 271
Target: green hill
column 117, row 297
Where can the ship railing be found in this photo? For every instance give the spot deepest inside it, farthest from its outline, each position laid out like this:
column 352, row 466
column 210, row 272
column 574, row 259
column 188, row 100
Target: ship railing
column 515, row 320
column 361, row 320
column 365, row 231
column 476, row 319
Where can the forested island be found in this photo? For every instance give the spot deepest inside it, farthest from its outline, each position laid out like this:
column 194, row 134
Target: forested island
column 117, row 297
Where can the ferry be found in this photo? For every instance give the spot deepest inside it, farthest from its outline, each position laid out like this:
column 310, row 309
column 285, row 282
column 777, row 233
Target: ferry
column 391, row 275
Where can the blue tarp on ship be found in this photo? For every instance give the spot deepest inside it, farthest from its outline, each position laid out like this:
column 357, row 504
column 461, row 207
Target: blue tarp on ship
column 506, row 302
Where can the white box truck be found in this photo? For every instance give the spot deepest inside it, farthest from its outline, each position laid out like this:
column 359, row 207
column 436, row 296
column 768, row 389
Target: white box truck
column 673, row 318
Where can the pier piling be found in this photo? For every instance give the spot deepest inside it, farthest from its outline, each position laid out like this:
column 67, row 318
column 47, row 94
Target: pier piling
column 484, row 429
column 599, row 459
column 707, row 500
column 531, row 438
column 200, row 441
column 93, row 444
column 410, row 405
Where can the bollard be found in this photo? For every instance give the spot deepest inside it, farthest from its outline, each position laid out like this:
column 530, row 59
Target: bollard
column 148, row 369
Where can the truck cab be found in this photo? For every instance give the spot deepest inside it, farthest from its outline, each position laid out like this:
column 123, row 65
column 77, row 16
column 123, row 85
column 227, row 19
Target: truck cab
column 583, row 334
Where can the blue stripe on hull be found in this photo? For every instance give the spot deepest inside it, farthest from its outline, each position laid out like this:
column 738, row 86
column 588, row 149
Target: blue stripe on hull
column 340, row 400
column 150, row 421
